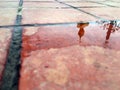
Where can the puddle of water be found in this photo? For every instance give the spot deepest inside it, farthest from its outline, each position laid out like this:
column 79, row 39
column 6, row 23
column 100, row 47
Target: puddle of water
column 103, row 34
column 74, row 57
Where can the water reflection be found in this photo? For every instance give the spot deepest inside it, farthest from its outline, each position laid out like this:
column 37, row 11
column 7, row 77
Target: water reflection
column 81, row 31
column 111, row 27
column 59, row 36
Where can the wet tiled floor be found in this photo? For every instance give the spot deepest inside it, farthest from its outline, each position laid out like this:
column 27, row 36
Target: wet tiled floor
column 70, row 57
column 5, row 36
column 60, row 45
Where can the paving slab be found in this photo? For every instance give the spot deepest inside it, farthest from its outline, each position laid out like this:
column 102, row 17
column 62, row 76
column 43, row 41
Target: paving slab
column 42, row 4
column 8, row 16
column 54, row 16
column 57, row 54
column 105, row 0
column 76, row 4
column 81, row 0
column 113, row 3
column 8, row 5
column 41, row 0
column 5, row 37
column 106, row 13
column 8, row 0
column 70, row 57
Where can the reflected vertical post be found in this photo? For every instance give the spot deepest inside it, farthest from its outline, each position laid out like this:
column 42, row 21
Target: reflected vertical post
column 110, row 28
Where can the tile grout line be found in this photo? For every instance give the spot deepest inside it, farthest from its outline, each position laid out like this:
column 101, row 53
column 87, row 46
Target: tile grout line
column 23, row 25
column 10, row 78
column 59, row 7
column 51, row 24
column 7, row 26
column 78, row 9
column 103, row 4
column 115, row 1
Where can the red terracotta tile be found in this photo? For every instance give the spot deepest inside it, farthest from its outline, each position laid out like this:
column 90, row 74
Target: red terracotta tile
column 53, row 58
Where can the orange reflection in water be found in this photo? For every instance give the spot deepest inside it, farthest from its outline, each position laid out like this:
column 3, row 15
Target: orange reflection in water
column 81, row 31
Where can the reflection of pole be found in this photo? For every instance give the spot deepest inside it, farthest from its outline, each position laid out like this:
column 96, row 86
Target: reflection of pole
column 109, row 31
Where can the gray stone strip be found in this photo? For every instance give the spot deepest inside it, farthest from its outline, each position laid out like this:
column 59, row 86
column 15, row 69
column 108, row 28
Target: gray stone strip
column 10, row 78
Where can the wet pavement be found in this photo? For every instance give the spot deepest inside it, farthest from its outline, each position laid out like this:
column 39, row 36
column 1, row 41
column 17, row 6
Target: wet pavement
column 59, row 45
column 4, row 46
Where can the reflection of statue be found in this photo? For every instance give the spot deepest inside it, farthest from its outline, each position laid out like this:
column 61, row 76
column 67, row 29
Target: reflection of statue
column 81, row 30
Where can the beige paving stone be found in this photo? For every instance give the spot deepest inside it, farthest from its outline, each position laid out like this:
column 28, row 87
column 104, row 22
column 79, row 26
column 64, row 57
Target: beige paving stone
column 8, row 4
column 39, row 0
column 84, row 4
column 42, row 4
column 115, row 0
column 81, row 0
column 106, row 13
column 8, row 0
column 7, row 16
column 54, row 16
column 113, row 3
